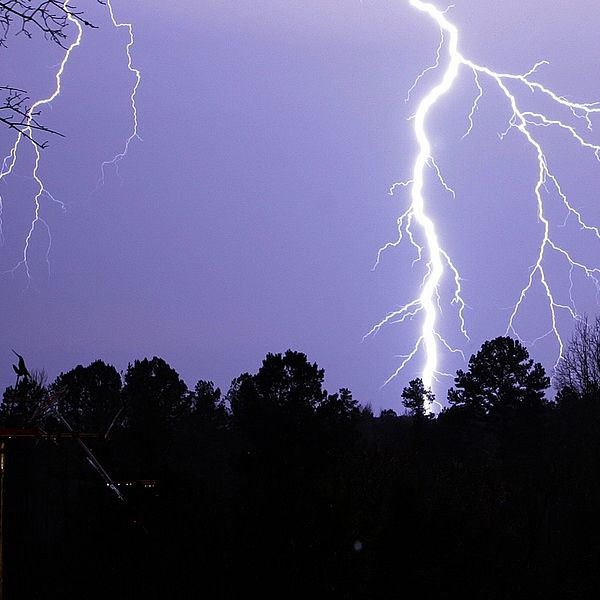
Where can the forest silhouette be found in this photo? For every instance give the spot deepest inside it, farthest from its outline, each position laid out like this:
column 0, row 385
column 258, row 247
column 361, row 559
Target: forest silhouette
column 280, row 488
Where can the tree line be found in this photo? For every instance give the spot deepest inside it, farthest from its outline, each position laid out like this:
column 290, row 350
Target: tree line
column 279, row 487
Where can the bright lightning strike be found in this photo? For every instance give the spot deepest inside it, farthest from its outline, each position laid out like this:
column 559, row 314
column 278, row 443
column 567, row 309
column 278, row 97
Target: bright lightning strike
column 427, row 304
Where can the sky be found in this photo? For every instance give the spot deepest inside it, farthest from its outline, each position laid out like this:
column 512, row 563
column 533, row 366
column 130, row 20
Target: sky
column 248, row 217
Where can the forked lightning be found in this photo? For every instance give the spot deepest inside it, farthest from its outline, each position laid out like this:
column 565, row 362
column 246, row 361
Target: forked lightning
column 27, row 135
column 426, row 305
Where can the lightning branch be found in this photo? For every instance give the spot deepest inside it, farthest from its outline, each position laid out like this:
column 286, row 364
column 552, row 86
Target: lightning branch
column 28, row 130
column 439, row 265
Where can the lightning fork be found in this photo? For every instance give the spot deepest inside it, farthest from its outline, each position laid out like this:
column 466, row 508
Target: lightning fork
column 27, row 133
column 524, row 122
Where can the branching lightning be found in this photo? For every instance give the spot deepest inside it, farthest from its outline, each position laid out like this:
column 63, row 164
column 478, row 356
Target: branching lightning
column 28, row 134
column 427, row 305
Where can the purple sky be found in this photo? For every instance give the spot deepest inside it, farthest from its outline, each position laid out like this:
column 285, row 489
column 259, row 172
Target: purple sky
column 249, row 218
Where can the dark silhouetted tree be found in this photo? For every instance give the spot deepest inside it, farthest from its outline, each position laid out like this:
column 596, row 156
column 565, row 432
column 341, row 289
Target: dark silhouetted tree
column 89, row 397
column 388, row 413
column 155, row 397
column 336, row 419
column 286, row 381
column 156, row 403
column 417, row 399
column 500, row 376
column 207, row 405
column 340, row 406
column 579, row 368
column 19, row 402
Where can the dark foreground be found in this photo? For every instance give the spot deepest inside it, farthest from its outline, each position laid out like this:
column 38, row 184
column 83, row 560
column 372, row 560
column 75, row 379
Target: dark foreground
column 286, row 491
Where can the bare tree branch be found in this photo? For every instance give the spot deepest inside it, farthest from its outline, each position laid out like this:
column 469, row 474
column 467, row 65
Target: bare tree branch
column 579, row 368
column 15, row 114
column 50, row 18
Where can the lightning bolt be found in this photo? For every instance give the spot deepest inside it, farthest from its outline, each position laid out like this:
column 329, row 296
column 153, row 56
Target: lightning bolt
column 427, row 304
column 117, row 158
column 27, row 133
column 9, row 162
